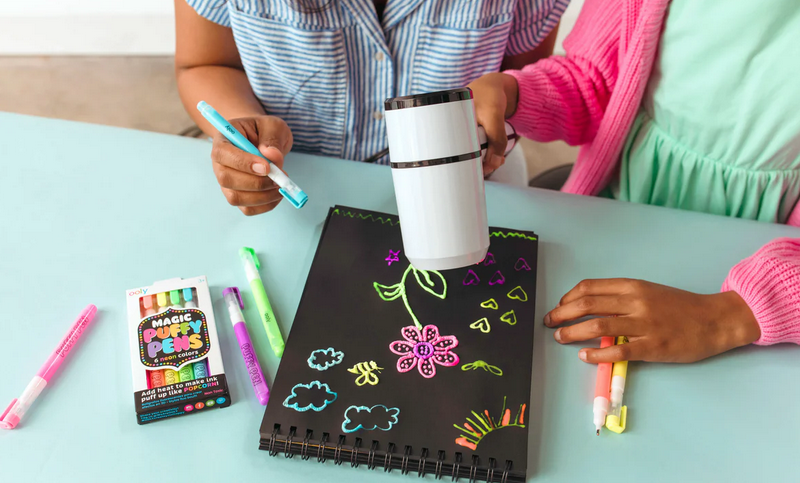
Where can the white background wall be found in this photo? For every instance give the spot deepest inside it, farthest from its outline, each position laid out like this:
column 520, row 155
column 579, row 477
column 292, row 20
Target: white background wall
column 109, row 27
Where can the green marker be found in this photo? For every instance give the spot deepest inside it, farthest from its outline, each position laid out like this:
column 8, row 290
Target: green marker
column 175, row 299
column 251, row 266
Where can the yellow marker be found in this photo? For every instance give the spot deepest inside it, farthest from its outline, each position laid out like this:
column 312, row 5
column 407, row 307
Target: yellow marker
column 171, row 377
column 162, row 300
column 618, row 415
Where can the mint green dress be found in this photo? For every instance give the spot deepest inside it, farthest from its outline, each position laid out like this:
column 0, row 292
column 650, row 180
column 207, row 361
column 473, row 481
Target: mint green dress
column 719, row 126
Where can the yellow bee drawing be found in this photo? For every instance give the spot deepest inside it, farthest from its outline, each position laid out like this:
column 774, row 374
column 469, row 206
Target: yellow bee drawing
column 367, row 372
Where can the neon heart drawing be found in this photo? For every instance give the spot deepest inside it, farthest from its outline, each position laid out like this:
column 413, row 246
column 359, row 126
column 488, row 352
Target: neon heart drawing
column 482, row 325
column 518, row 294
column 471, row 278
column 490, row 304
column 497, row 279
column 509, row 318
column 522, row 265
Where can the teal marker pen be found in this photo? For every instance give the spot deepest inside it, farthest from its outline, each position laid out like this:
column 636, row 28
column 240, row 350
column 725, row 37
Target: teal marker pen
column 288, row 189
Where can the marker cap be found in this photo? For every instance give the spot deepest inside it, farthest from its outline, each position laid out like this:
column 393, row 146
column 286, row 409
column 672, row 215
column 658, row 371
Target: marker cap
column 187, row 294
column 175, row 297
column 233, row 292
column 247, row 254
column 617, row 424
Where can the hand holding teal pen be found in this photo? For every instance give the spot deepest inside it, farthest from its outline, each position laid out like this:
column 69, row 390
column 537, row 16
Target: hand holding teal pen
column 287, row 187
column 251, row 266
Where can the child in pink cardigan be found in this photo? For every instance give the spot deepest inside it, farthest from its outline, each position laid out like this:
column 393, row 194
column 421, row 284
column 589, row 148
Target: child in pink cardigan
column 681, row 104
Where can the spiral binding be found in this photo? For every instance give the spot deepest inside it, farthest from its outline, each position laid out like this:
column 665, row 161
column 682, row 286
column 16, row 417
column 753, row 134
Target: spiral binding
column 357, row 457
column 439, row 463
column 354, row 454
column 421, row 466
column 273, row 438
column 304, row 448
column 287, row 449
column 321, row 449
column 473, row 469
column 404, row 463
column 371, row 456
column 490, row 471
column 337, row 453
column 387, row 459
column 504, row 478
column 456, row 468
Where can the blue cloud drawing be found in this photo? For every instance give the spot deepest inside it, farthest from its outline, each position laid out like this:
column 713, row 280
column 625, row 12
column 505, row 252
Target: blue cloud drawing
column 368, row 419
column 336, row 358
column 307, row 396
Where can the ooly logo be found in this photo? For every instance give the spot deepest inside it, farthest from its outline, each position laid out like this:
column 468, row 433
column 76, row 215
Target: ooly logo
column 141, row 291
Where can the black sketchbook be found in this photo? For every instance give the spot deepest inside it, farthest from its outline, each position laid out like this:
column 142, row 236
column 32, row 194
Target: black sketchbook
column 361, row 383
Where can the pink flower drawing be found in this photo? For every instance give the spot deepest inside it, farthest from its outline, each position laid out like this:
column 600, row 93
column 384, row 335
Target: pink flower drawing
column 422, row 347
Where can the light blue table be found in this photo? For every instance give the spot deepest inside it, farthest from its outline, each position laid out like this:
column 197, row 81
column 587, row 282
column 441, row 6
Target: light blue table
column 86, row 211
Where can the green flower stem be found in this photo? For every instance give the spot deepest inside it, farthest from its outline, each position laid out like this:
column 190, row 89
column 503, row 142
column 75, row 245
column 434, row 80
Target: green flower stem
column 405, row 297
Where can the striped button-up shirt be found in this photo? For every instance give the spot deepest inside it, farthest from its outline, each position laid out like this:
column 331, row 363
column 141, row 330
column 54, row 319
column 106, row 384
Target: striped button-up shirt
column 326, row 71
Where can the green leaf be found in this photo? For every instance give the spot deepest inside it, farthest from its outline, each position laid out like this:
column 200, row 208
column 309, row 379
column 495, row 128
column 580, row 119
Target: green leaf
column 429, row 285
column 389, row 292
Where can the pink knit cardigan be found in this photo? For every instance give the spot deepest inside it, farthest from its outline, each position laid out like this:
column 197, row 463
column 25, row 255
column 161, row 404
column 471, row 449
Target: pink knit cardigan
column 591, row 97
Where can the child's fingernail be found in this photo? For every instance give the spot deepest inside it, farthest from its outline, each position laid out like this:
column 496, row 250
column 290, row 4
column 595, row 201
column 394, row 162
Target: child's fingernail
column 547, row 319
column 582, row 355
column 259, row 168
column 557, row 335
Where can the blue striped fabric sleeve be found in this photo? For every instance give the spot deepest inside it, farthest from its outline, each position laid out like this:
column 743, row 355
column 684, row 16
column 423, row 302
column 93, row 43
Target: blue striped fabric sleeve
column 213, row 10
column 533, row 21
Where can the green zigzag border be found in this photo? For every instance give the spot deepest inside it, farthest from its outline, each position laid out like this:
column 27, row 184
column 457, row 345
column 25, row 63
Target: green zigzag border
column 382, row 220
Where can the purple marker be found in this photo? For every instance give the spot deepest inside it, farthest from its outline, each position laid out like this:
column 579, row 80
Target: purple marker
column 233, row 299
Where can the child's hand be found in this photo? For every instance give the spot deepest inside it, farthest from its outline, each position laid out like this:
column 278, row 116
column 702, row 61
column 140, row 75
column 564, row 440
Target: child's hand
column 663, row 324
column 243, row 176
column 495, row 98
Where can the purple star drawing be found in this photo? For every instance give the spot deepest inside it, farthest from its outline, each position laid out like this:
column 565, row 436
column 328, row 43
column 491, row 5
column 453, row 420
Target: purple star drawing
column 393, row 257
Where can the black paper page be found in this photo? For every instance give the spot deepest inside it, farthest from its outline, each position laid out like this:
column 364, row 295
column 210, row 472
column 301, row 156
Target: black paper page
column 341, row 308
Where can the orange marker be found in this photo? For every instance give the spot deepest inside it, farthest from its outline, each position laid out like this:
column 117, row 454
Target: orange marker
column 602, row 388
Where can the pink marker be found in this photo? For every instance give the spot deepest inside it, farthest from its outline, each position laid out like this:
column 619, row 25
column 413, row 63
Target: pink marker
column 13, row 414
column 602, row 388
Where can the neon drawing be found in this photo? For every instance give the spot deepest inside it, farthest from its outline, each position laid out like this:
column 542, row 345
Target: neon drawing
column 314, row 386
column 472, row 366
column 522, row 265
column 472, row 433
column 482, row 325
column 517, row 293
column 422, row 348
column 394, row 256
column 490, row 304
column 471, row 278
column 398, row 290
column 509, row 318
column 497, row 279
column 366, row 371
column 336, row 358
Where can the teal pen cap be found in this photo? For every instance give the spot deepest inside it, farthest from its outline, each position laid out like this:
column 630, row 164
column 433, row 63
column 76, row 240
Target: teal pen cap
column 188, row 297
column 288, row 188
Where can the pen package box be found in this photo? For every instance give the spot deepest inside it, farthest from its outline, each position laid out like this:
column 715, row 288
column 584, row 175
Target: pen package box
column 175, row 353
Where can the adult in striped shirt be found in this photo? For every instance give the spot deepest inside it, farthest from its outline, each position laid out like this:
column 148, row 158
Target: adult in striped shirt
column 312, row 75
